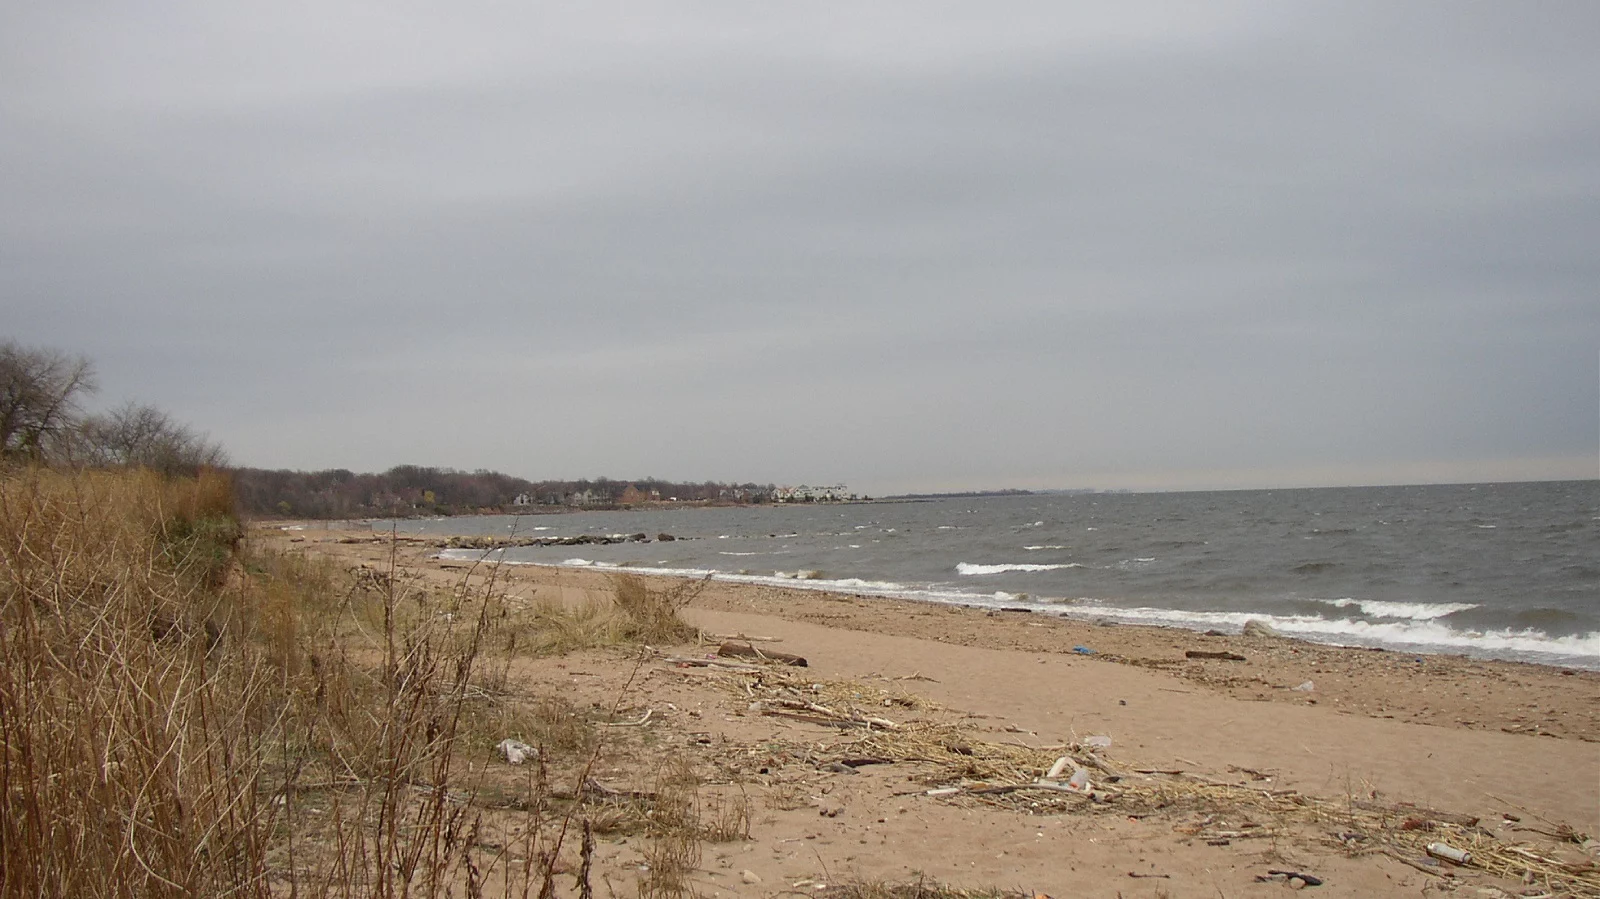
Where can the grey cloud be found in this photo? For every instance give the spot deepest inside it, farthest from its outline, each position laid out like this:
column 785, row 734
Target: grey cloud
column 903, row 246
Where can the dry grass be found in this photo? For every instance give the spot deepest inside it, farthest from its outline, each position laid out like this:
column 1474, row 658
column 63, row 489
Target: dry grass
column 652, row 614
column 181, row 718
column 674, row 830
column 132, row 754
column 918, row 889
column 638, row 611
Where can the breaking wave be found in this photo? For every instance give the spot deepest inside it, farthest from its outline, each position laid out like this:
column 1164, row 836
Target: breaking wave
column 1425, row 635
column 1414, row 611
column 968, row 569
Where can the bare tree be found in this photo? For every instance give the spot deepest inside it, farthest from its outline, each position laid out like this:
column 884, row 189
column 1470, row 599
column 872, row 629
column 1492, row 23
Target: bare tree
column 138, row 435
column 39, row 394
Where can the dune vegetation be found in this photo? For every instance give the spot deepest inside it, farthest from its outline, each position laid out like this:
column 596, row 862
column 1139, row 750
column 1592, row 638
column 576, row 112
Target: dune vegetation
column 183, row 714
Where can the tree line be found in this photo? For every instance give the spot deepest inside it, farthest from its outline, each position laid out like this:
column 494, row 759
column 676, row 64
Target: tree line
column 408, row 490
column 42, row 419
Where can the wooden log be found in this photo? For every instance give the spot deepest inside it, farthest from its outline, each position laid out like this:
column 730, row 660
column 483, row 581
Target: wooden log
column 712, row 663
column 733, row 649
column 1207, row 654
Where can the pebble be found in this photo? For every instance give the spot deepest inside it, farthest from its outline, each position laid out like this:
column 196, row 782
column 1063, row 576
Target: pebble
column 749, row 876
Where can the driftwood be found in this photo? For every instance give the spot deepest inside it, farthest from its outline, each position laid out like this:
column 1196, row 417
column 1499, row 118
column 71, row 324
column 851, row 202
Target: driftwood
column 711, row 663
column 1207, row 654
column 746, row 651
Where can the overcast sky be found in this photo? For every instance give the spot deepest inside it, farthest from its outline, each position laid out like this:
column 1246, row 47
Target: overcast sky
column 904, row 246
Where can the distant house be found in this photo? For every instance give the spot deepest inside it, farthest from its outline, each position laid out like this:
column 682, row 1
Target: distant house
column 803, row 494
column 522, row 499
column 632, row 496
column 587, row 498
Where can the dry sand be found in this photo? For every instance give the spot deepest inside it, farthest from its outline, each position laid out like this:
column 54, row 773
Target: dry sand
column 1517, row 746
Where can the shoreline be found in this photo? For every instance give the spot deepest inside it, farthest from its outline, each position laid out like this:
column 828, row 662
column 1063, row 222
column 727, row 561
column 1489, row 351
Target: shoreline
column 1148, row 644
column 1526, row 647
column 1510, row 744
column 1065, row 610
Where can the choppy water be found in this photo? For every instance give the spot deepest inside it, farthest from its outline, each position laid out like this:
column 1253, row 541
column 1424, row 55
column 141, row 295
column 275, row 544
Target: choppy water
column 1493, row 570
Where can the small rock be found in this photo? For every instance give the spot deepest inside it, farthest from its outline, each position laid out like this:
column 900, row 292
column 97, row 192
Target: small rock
column 1296, row 883
column 1307, row 687
column 1254, row 628
column 749, row 876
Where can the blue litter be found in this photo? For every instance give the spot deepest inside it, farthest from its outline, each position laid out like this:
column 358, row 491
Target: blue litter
column 1083, row 650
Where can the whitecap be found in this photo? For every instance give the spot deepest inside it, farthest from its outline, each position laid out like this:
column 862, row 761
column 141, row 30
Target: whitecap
column 969, row 569
column 1581, row 650
column 1414, row 611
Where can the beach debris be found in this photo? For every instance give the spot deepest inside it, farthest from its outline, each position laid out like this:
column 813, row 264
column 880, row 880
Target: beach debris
column 1426, row 865
column 516, row 752
column 735, row 649
column 1097, row 741
column 1258, row 628
column 723, row 638
column 1295, row 880
column 643, row 720
column 1449, row 853
column 1411, row 811
column 1307, row 687
column 1207, row 654
column 690, row 662
column 946, row 761
column 1083, row 650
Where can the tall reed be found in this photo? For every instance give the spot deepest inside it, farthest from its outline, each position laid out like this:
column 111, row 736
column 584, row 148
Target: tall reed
column 131, row 753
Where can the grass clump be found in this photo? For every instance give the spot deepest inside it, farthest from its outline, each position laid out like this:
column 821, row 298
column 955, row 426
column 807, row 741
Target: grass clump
column 637, row 611
column 654, row 614
column 674, row 832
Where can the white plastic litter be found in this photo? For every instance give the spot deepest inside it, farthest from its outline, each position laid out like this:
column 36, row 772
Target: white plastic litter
column 516, row 752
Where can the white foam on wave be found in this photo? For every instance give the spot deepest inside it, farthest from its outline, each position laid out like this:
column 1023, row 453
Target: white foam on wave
column 721, row 553
column 968, row 569
column 1581, row 650
column 1414, row 611
column 1044, row 546
column 1414, row 634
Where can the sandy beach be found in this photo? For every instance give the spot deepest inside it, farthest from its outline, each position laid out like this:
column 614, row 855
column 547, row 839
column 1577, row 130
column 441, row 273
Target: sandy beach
column 1331, row 762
